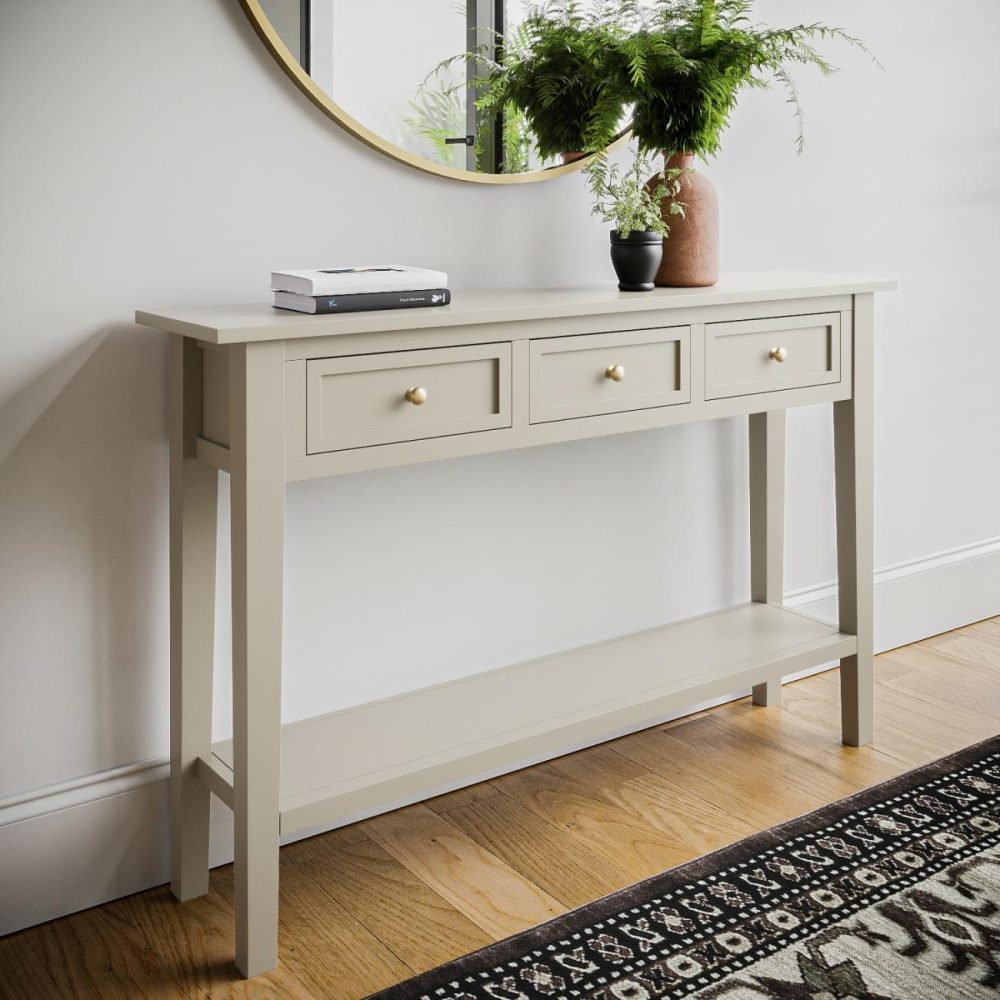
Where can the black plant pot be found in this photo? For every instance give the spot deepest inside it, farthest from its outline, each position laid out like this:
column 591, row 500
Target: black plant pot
column 636, row 259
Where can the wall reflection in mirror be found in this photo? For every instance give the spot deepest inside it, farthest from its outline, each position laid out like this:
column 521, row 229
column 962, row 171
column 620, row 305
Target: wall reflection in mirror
column 411, row 71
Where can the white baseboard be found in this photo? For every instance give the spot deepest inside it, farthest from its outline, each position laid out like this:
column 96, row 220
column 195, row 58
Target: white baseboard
column 102, row 836
column 922, row 597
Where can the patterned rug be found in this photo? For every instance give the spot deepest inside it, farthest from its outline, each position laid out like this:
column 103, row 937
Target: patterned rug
column 891, row 894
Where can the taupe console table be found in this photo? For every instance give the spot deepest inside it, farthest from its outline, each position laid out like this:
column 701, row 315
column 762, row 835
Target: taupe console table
column 270, row 397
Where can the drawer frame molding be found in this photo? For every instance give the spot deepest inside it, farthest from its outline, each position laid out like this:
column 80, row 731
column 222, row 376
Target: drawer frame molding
column 495, row 410
column 770, row 375
column 637, row 348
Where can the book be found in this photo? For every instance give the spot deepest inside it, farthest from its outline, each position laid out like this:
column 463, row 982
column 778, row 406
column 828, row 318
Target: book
column 356, row 280
column 363, row 301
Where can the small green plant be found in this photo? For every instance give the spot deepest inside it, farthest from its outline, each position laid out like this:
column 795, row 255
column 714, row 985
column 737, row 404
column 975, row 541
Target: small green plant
column 629, row 198
column 686, row 63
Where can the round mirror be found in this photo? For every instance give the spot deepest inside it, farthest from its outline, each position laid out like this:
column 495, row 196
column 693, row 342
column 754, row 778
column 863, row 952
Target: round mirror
column 407, row 77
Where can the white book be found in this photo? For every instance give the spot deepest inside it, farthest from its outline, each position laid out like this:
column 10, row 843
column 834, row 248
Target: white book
column 354, row 280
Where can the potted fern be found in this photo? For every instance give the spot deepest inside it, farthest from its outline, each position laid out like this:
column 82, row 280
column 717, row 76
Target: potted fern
column 623, row 197
column 684, row 66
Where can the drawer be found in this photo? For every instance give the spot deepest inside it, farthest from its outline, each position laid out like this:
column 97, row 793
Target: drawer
column 356, row 402
column 572, row 376
column 742, row 358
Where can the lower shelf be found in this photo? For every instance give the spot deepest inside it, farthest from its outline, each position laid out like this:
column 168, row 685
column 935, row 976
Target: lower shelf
column 376, row 756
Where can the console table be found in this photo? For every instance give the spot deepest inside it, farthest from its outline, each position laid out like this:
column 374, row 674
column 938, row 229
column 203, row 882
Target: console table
column 270, row 397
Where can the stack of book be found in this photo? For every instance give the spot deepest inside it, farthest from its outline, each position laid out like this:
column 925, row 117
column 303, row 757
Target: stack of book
column 356, row 289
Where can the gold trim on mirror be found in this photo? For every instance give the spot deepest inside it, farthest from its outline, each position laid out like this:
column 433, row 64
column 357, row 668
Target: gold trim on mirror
column 322, row 100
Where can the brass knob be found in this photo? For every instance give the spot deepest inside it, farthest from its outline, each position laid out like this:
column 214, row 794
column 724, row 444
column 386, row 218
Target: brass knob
column 614, row 372
column 417, row 395
column 777, row 354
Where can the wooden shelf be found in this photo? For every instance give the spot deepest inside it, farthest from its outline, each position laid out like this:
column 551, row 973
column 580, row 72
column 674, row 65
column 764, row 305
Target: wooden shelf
column 401, row 749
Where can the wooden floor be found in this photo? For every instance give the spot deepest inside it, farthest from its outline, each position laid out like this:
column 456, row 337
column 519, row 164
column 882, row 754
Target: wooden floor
column 369, row 905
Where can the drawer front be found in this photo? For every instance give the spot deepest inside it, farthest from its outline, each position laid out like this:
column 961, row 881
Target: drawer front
column 357, row 402
column 572, row 376
column 742, row 358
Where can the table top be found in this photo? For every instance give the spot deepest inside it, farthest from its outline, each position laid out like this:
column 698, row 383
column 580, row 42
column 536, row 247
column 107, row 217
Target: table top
column 234, row 324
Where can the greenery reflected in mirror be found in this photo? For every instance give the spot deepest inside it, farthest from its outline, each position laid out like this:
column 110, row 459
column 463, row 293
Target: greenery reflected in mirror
column 478, row 86
column 511, row 90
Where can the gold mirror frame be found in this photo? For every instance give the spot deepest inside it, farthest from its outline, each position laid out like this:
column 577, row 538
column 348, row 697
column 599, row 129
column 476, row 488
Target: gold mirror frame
column 323, row 101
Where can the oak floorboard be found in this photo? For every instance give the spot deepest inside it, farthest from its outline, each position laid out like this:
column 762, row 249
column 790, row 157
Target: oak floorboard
column 196, row 939
column 543, row 853
column 735, row 771
column 346, row 835
column 599, row 767
column 933, row 675
column 330, row 952
column 697, row 827
column 461, row 797
column 99, row 952
column 789, row 734
column 967, row 657
column 408, row 917
column 977, row 651
column 477, row 883
column 988, row 628
column 908, row 728
column 586, row 813
column 680, row 720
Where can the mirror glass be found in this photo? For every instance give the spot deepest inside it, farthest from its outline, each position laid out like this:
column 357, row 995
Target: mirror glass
column 401, row 69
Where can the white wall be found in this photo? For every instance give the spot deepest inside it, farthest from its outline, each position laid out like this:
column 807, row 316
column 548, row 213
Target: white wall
column 153, row 154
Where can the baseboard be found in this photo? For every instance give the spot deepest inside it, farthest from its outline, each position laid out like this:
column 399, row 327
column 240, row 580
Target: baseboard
column 921, row 597
column 103, row 836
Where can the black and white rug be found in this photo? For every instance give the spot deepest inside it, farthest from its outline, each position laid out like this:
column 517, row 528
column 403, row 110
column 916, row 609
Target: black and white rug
column 891, row 894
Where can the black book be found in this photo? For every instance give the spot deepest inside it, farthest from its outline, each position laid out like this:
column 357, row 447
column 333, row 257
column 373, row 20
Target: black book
column 361, row 301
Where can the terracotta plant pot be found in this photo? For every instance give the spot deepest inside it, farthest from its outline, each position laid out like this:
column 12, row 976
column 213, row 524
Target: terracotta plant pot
column 636, row 259
column 572, row 157
column 691, row 251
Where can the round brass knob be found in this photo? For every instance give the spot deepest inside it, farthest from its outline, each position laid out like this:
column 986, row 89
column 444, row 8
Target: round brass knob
column 614, row 372
column 777, row 354
column 417, row 395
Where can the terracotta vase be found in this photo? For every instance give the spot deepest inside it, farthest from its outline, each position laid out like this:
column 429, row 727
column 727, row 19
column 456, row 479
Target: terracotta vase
column 691, row 251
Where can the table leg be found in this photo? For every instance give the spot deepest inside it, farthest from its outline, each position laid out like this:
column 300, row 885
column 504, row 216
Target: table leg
column 767, row 523
column 257, row 469
column 853, row 440
column 194, row 490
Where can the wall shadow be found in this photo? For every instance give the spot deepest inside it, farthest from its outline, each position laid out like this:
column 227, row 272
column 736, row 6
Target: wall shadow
column 83, row 593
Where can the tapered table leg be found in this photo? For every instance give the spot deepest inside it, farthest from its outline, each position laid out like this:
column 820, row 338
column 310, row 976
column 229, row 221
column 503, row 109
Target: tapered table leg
column 853, row 438
column 193, row 508
column 767, row 523
column 257, row 462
